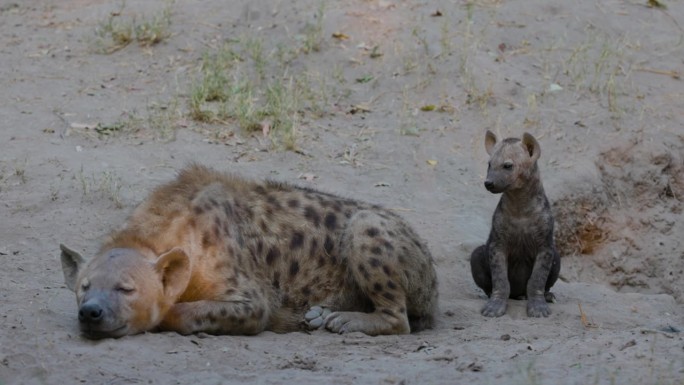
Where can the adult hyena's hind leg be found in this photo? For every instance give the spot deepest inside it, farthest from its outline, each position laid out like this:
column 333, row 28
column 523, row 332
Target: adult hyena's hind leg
column 393, row 270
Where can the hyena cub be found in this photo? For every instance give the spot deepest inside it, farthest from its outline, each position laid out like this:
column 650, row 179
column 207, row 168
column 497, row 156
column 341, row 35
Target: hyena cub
column 216, row 253
column 519, row 259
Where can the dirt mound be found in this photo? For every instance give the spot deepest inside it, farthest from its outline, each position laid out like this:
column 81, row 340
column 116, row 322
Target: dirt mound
column 627, row 225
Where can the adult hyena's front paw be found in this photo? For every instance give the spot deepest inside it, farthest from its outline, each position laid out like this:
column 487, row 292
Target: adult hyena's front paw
column 495, row 307
column 315, row 317
column 537, row 307
column 345, row 322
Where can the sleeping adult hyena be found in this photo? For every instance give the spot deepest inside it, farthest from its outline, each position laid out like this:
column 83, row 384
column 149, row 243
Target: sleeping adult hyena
column 215, row 253
column 519, row 259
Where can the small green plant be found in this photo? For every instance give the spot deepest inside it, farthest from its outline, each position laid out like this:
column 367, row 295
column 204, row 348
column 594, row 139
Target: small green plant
column 108, row 185
column 313, row 33
column 117, row 32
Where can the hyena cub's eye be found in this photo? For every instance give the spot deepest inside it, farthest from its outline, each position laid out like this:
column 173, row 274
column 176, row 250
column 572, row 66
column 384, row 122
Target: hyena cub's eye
column 508, row 166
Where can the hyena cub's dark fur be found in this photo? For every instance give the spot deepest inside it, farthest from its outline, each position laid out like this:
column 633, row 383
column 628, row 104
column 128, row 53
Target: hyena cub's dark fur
column 519, row 259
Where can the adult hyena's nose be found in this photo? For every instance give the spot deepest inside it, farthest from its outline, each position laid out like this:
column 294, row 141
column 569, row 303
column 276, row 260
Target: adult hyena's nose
column 488, row 184
column 90, row 312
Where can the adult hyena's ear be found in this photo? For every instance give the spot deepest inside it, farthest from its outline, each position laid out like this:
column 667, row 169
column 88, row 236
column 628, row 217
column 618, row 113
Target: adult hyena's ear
column 71, row 264
column 490, row 142
column 532, row 146
column 174, row 270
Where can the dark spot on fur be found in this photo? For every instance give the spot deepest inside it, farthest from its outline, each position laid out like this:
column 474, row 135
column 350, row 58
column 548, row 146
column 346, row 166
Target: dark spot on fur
column 377, row 286
column 388, row 245
column 272, row 255
column 331, row 221
column 391, row 234
column 198, row 210
column 402, row 310
column 276, row 280
column 273, row 201
column 294, row 268
column 391, row 285
column 321, row 261
column 389, row 296
column 328, row 245
column 306, row 291
column 347, row 214
column 375, row 262
column 372, row 232
column 387, row 270
column 259, row 313
column 337, row 207
column 269, row 211
column 211, row 317
column 376, row 250
column 297, row 240
column 260, row 190
column 263, row 226
column 293, row 203
column 223, row 312
column 363, row 271
column 198, row 322
column 220, row 265
column 206, row 239
column 230, row 291
column 260, row 247
column 312, row 215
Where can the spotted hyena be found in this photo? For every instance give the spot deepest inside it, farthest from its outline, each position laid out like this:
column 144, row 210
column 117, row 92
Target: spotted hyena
column 216, row 253
column 519, row 259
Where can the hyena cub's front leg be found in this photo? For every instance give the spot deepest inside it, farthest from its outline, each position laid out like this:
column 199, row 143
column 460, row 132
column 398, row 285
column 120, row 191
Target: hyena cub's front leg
column 371, row 257
column 245, row 312
column 545, row 271
column 501, row 288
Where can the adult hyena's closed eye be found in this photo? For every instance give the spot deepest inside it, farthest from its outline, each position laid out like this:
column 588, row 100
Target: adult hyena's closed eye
column 519, row 259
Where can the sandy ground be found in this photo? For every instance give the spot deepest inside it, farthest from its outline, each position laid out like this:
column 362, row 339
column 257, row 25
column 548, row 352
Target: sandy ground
column 393, row 111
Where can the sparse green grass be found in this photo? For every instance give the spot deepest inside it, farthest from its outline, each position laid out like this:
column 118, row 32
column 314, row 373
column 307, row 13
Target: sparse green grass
column 251, row 82
column 117, row 32
column 106, row 185
column 598, row 66
column 313, row 32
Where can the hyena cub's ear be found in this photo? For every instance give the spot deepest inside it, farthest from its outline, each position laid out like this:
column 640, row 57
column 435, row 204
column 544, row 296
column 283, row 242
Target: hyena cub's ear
column 532, row 146
column 490, row 142
column 71, row 264
column 174, row 270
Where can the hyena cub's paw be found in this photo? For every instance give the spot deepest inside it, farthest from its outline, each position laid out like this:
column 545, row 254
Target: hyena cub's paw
column 495, row 307
column 315, row 317
column 537, row 307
